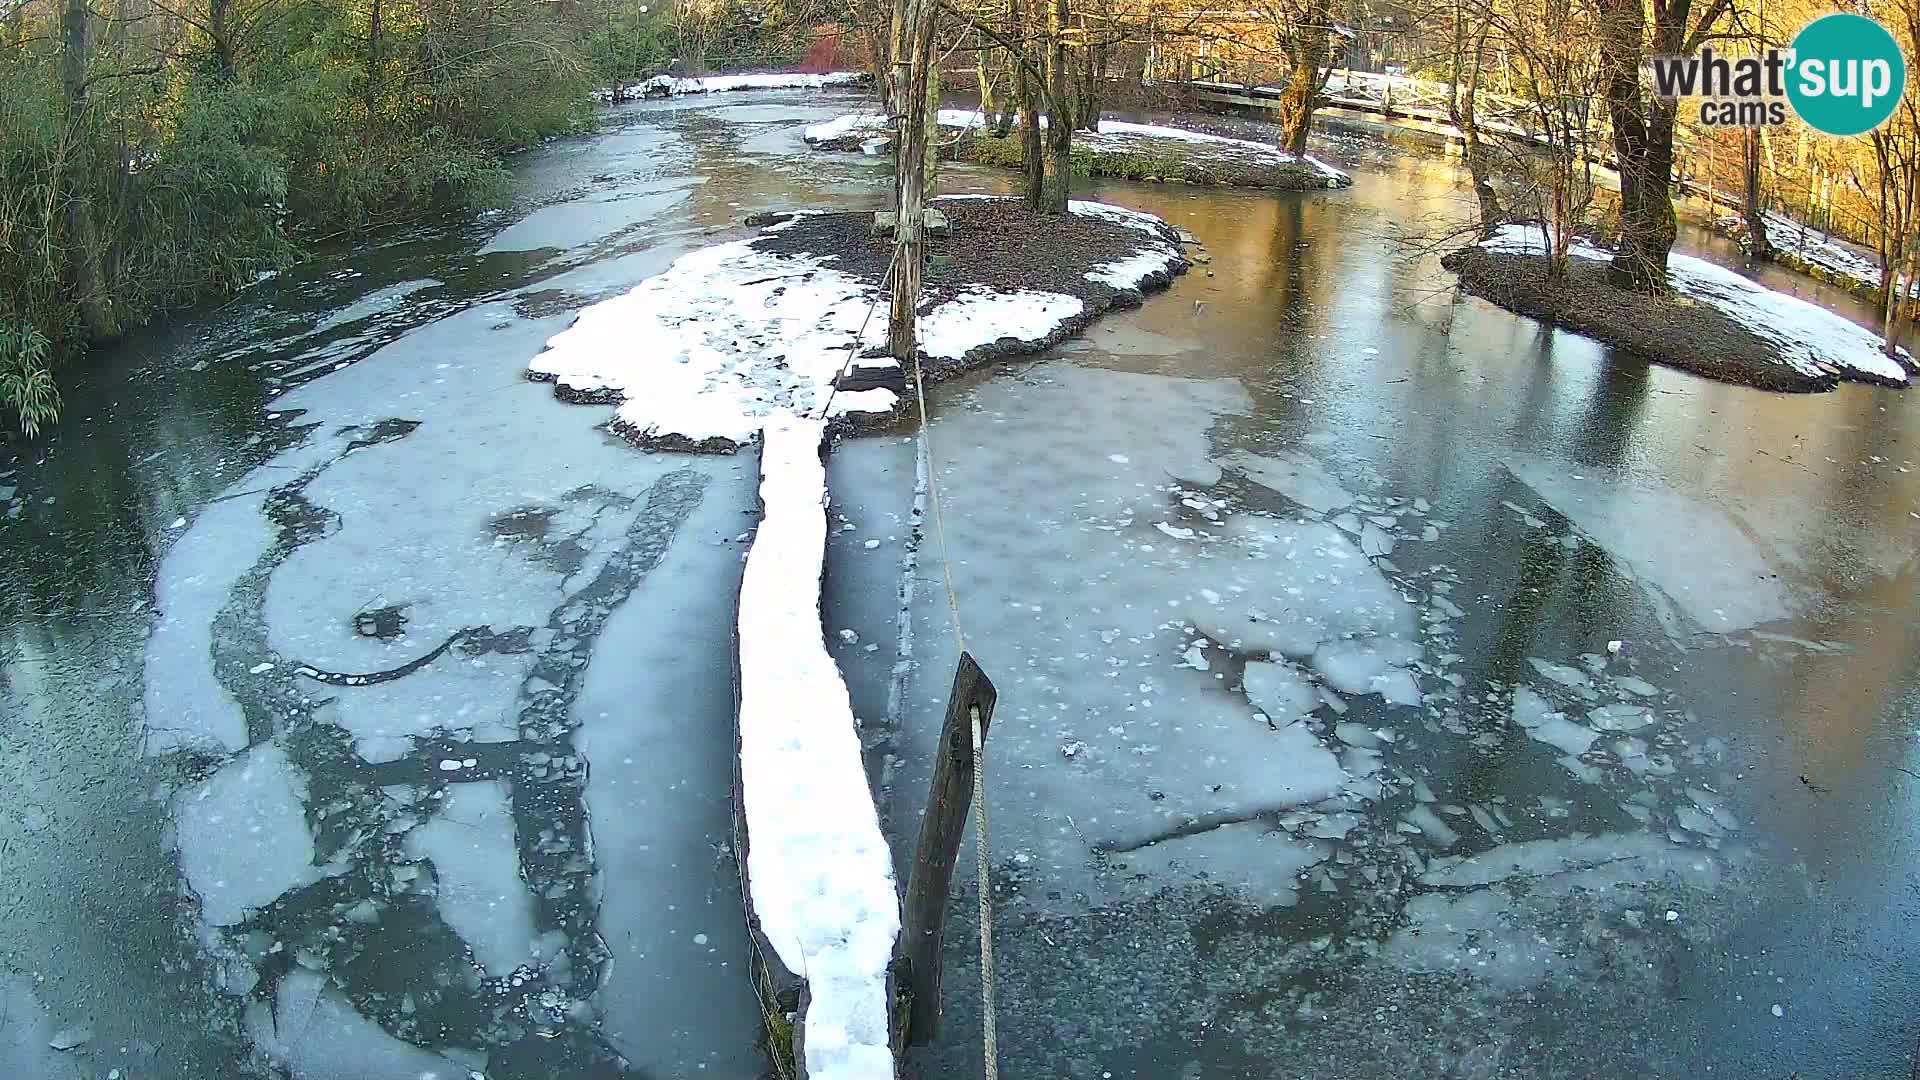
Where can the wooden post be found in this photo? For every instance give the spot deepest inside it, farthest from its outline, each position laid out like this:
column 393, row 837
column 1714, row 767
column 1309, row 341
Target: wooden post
column 924, row 917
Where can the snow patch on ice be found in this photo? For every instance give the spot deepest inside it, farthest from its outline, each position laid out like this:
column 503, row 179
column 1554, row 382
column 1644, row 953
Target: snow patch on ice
column 186, row 705
column 818, row 869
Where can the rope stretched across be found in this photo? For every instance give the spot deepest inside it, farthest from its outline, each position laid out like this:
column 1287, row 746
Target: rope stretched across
column 989, row 1026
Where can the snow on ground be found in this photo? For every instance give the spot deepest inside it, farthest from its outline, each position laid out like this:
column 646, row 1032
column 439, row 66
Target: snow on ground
column 1830, row 253
column 728, row 336
column 1811, row 339
column 1112, row 136
column 671, row 86
column 818, row 869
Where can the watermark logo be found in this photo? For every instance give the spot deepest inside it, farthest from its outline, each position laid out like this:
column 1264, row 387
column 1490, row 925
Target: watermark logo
column 1844, row 75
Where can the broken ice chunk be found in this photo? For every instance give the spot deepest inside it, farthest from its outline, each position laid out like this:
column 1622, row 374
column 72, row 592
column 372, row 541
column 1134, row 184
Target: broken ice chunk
column 1423, row 818
column 1280, row 690
column 1621, row 717
column 1375, row 541
column 1370, row 666
column 1560, row 673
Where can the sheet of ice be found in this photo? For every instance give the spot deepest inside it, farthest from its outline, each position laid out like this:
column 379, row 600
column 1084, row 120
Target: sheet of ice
column 1075, row 606
column 312, row 1032
column 243, row 836
column 481, row 895
column 1297, row 476
column 1705, row 559
column 660, row 753
column 1560, row 673
column 186, row 706
column 1621, row 717
column 1314, row 586
column 1523, row 912
column 1252, row 859
column 818, row 869
column 1422, row 817
column 1810, row 338
column 1280, row 690
column 718, row 84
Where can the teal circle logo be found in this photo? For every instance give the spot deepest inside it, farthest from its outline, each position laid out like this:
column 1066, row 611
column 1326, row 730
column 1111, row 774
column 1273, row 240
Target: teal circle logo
column 1847, row 74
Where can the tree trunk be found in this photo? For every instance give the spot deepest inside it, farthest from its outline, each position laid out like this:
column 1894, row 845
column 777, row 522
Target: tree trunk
column 1306, row 55
column 1059, row 179
column 910, row 178
column 375, row 44
column 1757, row 243
column 219, row 13
column 1899, row 292
column 930, row 107
column 1642, row 149
column 82, row 232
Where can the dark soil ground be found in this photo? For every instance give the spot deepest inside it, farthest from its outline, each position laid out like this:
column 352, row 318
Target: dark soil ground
column 993, row 243
column 1663, row 330
column 1132, row 157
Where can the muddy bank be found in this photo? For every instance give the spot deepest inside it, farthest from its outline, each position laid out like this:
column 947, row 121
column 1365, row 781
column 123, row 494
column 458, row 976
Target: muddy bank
column 1103, row 260
column 1671, row 330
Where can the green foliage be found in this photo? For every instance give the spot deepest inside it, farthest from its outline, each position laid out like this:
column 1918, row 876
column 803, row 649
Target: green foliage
column 26, row 377
column 215, row 138
column 628, row 51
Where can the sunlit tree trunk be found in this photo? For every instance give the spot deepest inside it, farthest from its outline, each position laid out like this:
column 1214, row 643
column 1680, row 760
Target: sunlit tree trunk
column 1759, row 245
column 82, row 239
column 1306, row 55
column 1059, row 177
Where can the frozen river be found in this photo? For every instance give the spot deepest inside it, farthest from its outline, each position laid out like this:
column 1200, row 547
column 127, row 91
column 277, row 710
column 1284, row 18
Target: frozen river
column 1388, row 685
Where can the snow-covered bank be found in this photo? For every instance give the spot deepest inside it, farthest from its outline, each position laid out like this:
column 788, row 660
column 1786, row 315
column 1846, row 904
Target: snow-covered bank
column 1718, row 323
column 817, row 870
column 671, row 86
column 700, row 356
column 1820, row 255
column 1117, row 148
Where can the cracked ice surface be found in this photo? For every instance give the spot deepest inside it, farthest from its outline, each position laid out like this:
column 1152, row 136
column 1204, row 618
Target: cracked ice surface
column 1081, row 610
column 1519, row 937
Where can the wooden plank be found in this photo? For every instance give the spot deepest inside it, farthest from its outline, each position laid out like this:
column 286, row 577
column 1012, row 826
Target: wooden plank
column 930, row 880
